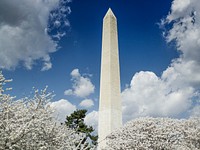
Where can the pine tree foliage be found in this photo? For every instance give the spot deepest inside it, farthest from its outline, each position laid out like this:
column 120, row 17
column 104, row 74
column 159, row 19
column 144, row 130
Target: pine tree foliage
column 28, row 124
column 157, row 134
column 76, row 122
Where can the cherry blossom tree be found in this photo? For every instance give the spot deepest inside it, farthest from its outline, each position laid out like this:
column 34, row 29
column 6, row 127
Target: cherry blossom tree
column 157, row 134
column 28, row 124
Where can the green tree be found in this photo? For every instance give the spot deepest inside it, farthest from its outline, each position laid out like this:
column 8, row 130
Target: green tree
column 76, row 122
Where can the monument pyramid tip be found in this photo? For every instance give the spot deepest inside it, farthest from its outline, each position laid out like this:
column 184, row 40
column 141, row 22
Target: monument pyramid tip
column 109, row 13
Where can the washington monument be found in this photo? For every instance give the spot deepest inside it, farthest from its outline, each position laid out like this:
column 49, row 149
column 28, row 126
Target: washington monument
column 110, row 111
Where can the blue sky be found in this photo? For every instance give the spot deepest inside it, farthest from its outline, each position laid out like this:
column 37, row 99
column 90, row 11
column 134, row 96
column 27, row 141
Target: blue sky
column 142, row 47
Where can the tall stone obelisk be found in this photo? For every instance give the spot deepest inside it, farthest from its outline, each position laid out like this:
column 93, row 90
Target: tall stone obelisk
column 110, row 111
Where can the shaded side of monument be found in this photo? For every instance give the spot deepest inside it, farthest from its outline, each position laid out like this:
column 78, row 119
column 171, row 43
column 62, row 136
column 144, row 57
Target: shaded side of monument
column 110, row 110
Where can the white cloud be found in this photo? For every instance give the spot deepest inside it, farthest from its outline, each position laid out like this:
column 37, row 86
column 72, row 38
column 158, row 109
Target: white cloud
column 68, row 92
column 62, row 108
column 178, row 7
column 47, row 66
column 91, row 119
column 75, row 73
column 148, row 95
column 24, row 28
column 195, row 111
column 87, row 103
column 82, row 86
column 176, row 92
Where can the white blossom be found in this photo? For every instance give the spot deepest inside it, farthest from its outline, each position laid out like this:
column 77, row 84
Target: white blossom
column 156, row 134
column 29, row 124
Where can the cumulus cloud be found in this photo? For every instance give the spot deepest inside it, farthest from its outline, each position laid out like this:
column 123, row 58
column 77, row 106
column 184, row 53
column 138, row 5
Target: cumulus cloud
column 91, row 119
column 25, row 28
column 68, row 92
column 81, row 86
column 176, row 92
column 149, row 95
column 62, row 108
column 87, row 103
column 196, row 111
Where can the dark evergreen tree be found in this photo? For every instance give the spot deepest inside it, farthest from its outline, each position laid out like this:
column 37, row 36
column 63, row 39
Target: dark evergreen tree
column 76, row 122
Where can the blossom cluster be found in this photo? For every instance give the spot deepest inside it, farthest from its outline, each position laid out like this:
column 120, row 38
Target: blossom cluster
column 157, row 134
column 29, row 124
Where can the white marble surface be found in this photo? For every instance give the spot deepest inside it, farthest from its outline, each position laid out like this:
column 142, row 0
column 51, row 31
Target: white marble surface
column 110, row 111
